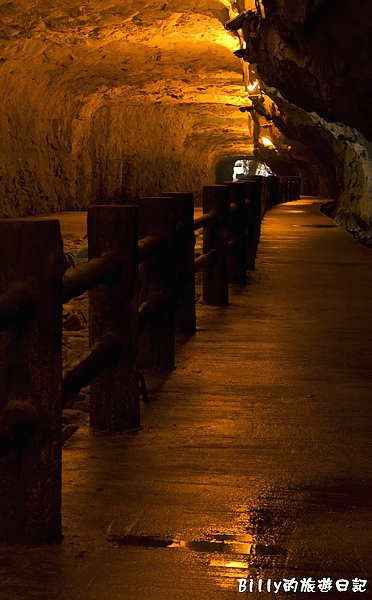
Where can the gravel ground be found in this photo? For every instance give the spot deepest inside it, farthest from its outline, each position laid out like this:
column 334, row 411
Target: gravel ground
column 75, row 336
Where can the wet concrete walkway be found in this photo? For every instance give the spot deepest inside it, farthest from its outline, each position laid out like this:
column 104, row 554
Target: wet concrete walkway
column 254, row 458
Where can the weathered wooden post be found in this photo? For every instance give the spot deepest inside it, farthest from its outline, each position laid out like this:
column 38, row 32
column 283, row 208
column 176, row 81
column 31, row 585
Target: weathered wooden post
column 298, row 188
column 185, row 311
column 270, row 192
column 290, row 191
column 238, row 255
column 252, row 219
column 216, row 237
column 32, row 265
column 281, row 190
column 158, row 217
column 260, row 193
column 113, row 311
column 295, row 188
column 286, row 191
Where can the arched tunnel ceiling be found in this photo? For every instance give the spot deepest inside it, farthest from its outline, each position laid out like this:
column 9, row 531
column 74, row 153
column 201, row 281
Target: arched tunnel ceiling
column 148, row 55
column 108, row 100
column 84, row 79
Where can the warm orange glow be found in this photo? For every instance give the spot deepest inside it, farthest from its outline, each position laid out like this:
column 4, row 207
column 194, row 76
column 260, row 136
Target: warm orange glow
column 253, row 86
column 232, row 564
column 266, row 142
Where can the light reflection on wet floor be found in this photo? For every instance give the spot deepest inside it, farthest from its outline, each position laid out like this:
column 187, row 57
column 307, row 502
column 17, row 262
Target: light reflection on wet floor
column 226, row 568
column 221, row 544
column 260, row 547
column 234, row 552
column 318, row 226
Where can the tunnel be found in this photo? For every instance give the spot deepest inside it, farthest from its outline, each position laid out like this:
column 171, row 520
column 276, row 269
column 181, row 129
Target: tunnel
column 106, row 103
column 146, row 116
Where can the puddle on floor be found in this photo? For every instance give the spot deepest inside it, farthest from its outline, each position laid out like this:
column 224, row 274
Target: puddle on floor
column 221, row 544
column 228, row 557
column 232, row 564
column 141, row 541
column 242, row 544
column 318, row 226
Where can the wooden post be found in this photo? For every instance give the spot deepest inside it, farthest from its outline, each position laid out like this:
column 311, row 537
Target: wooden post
column 287, row 188
column 113, row 310
column 295, row 188
column 270, row 192
column 285, row 197
column 216, row 237
column 158, row 216
column 185, row 310
column 252, row 193
column 31, row 252
column 281, row 189
column 238, row 255
column 259, row 192
column 298, row 188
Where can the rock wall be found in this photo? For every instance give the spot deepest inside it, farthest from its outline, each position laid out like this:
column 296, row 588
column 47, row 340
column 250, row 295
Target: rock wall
column 107, row 102
column 63, row 146
column 318, row 54
column 332, row 159
column 314, row 58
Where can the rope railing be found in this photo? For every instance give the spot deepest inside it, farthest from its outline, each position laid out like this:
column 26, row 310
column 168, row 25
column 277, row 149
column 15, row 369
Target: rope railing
column 141, row 281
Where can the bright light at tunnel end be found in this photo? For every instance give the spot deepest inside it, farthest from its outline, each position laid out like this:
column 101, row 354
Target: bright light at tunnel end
column 267, row 142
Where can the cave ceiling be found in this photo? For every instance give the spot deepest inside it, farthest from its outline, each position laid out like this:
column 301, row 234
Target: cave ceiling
column 109, row 99
column 139, row 53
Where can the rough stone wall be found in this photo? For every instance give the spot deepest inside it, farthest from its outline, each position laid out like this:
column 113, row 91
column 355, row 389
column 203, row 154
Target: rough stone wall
column 318, row 55
column 106, row 102
column 63, row 147
column 333, row 160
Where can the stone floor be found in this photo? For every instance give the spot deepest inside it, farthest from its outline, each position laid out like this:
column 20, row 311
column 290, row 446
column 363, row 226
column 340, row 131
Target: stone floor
column 254, row 457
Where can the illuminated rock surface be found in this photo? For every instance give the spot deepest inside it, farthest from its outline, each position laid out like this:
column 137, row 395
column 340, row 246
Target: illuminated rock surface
column 107, row 101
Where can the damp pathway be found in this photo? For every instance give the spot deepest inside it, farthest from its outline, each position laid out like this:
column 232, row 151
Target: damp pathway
column 253, row 462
